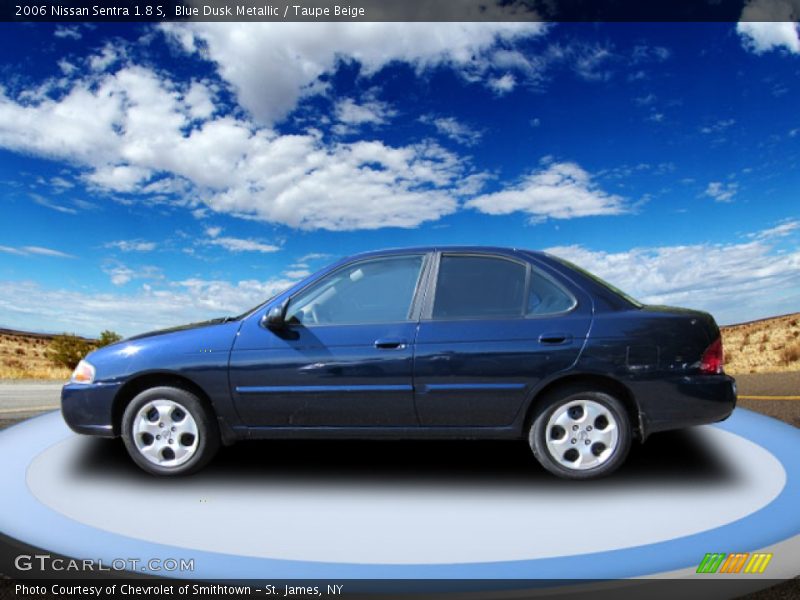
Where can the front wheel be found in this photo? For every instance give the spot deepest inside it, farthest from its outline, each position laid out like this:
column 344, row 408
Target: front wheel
column 581, row 434
column 168, row 431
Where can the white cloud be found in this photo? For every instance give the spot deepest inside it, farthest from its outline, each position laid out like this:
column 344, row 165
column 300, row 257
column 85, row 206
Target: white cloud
column 645, row 100
column 118, row 178
column 133, row 130
column 84, row 204
column 721, row 192
column 199, row 100
column 504, row 84
column 67, row 68
column 781, row 230
column 271, row 66
column 61, row 183
column 704, row 276
column 233, row 244
column 108, row 55
column 121, row 274
column 454, row 129
column 313, row 256
column 373, row 112
column 232, row 298
column 504, row 68
column 124, row 127
column 29, row 305
column 241, row 245
column 41, row 251
column 643, row 53
column 35, row 250
column 298, row 274
column 718, row 126
column 559, row 191
column 132, row 245
column 770, row 25
column 42, row 201
column 590, row 62
column 67, row 32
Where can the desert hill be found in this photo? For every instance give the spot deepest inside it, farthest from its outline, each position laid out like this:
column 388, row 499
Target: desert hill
column 765, row 346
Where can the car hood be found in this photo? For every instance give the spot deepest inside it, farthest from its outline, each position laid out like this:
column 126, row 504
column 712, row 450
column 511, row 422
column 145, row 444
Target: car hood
column 187, row 327
column 165, row 349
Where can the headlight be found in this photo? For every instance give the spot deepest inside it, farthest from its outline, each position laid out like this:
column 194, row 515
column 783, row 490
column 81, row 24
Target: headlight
column 83, row 373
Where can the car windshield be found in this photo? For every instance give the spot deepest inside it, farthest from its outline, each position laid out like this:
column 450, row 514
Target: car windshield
column 598, row 280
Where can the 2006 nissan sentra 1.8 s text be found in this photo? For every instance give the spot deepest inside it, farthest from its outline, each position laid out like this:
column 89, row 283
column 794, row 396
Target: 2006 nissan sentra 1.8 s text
column 466, row 342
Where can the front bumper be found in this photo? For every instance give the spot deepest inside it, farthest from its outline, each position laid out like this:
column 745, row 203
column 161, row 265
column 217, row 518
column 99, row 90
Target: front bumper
column 88, row 409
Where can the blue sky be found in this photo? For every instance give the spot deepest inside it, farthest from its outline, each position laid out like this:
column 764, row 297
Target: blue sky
column 153, row 175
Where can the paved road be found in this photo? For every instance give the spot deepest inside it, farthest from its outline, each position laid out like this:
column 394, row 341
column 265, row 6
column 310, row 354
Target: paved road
column 770, row 385
column 21, row 399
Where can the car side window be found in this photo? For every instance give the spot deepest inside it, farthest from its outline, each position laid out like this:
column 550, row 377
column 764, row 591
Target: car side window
column 370, row 291
column 478, row 287
column 546, row 297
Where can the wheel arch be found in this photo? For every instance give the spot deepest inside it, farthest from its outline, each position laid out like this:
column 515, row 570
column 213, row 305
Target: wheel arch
column 589, row 382
column 152, row 379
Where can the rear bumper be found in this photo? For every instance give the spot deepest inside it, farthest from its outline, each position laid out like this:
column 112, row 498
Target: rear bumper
column 88, row 409
column 679, row 402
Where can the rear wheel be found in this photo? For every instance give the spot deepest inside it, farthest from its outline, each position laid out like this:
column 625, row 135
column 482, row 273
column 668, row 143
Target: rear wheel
column 581, row 434
column 168, row 431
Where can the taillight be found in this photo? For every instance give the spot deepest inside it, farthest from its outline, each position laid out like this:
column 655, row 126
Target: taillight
column 713, row 358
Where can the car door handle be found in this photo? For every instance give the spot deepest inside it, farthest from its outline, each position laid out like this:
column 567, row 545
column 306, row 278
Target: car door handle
column 554, row 339
column 390, row 343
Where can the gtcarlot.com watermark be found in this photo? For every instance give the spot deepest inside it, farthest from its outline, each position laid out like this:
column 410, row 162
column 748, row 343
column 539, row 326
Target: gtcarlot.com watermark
column 46, row 562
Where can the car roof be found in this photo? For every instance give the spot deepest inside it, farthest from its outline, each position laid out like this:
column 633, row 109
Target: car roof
column 446, row 248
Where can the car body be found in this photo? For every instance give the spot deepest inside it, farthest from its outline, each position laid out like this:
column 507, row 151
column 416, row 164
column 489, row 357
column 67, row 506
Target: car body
column 450, row 342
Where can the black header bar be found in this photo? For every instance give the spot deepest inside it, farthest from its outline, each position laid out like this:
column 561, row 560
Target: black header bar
column 399, row 10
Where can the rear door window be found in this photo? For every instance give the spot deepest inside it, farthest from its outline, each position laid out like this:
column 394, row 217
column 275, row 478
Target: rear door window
column 479, row 287
column 546, row 297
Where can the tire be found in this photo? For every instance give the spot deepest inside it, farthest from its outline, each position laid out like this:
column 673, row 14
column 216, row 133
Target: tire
column 169, row 431
column 581, row 434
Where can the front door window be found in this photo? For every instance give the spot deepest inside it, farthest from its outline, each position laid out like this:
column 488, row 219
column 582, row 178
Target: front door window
column 370, row 291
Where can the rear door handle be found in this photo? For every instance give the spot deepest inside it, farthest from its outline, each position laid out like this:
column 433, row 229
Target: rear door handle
column 555, row 339
column 390, row 343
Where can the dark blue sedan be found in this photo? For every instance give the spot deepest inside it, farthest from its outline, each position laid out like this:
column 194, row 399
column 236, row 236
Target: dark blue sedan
column 467, row 342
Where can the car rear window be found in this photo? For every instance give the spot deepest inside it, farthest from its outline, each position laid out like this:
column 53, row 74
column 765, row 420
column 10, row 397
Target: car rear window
column 602, row 282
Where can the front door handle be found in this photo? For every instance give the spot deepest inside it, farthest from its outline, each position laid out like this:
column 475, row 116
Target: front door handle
column 390, row 343
column 554, row 339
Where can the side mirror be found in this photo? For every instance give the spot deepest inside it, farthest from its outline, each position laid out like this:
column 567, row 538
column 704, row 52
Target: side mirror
column 275, row 318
